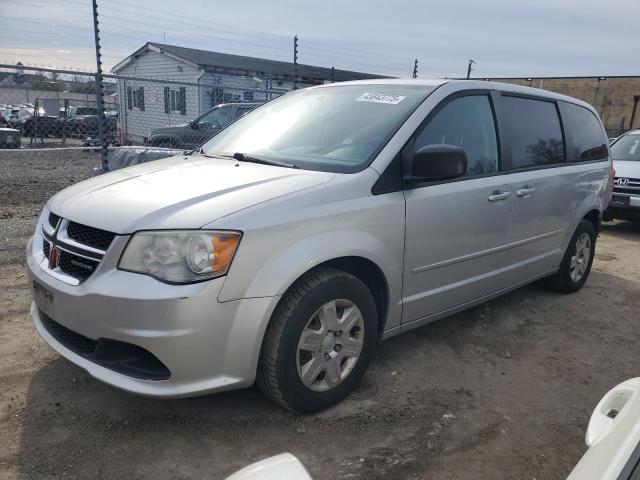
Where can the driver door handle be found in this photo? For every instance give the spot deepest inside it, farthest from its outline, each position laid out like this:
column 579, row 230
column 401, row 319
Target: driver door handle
column 498, row 196
column 525, row 192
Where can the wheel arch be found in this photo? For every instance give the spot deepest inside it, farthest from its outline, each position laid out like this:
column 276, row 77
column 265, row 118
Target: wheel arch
column 369, row 273
column 365, row 270
column 595, row 217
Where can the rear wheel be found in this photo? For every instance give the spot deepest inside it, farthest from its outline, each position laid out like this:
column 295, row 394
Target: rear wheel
column 577, row 260
column 319, row 342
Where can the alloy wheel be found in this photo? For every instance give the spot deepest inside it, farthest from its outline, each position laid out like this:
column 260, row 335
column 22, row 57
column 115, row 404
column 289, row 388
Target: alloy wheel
column 580, row 260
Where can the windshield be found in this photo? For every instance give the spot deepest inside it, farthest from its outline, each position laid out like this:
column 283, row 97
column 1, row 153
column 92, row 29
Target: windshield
column 627, row 148
column 337, row 128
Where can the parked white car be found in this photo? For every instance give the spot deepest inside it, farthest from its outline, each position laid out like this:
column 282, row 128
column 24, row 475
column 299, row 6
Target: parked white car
column 292, row 241
column 625, row 152
column 613, row 437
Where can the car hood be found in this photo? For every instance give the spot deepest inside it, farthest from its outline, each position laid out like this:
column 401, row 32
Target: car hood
column 627, row 169
column 177, row 192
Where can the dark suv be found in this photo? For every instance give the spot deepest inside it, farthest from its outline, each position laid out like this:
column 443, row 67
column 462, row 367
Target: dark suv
column 190, row 135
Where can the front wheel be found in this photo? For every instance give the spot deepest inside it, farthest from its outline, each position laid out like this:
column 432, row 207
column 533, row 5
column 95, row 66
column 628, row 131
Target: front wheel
column 577, row 260
column 320, row 341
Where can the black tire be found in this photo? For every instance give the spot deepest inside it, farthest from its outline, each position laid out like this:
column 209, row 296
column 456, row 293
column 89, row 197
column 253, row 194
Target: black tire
column 561, row 281
column 277, row 371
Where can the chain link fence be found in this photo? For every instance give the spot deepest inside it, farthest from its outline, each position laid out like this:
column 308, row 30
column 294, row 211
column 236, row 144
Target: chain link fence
column 42, row 108
column 45, row 108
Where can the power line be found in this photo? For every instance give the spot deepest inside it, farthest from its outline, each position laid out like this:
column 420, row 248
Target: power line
column 282, row 40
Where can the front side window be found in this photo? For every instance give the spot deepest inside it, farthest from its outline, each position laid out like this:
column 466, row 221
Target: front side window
column 339, row 128
column 465, row 122
column 627, row 148
column 533, row 131
column 240, row 111
column 589, row 138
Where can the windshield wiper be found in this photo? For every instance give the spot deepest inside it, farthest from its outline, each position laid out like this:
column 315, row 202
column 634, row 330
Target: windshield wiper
column 200, row 151
column 243, row 157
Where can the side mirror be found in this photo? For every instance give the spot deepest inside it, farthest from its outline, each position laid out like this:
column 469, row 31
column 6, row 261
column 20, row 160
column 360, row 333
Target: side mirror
column 194, row 124
column 438, row 162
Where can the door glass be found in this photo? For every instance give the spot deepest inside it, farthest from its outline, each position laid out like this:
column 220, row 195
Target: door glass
column 534, row 132
column 465, row 122
column 216, row 118
column 240, row 111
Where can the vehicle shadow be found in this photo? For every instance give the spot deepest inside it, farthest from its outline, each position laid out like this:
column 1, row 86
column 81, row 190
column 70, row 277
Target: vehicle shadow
column 622, row 229
column 541, row 350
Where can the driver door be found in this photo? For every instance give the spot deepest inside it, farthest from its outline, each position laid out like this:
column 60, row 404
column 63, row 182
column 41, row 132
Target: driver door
column 457, row 230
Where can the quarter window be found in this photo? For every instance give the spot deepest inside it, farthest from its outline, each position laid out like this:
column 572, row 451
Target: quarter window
column 588, row 136
column 534, row 132
column 465, row 122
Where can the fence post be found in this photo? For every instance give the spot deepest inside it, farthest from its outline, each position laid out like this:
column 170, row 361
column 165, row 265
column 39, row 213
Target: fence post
column 102, row 134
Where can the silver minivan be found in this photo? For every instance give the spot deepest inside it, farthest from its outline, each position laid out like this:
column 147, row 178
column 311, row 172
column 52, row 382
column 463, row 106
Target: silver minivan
column 325, row 220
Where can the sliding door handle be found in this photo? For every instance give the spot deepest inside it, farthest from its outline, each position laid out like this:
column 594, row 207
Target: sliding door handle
column 498, row 195
column 525, row 192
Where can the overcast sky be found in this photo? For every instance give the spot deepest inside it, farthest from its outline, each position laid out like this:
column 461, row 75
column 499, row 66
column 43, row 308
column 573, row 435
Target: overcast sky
column 504, row 37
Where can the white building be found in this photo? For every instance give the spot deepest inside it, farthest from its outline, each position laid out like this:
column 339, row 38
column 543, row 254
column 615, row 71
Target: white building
column 182, row 83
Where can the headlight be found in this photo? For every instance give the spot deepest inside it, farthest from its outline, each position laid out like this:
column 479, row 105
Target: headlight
column 180, row 256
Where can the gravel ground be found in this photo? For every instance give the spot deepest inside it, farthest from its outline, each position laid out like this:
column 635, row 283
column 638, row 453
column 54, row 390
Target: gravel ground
column 504, row 390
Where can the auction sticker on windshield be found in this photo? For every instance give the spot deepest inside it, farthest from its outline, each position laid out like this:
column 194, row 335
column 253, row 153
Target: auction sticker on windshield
column 380, row 98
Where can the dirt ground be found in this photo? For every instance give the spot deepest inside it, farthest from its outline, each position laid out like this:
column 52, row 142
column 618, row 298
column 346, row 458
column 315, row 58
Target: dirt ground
column 504, row 390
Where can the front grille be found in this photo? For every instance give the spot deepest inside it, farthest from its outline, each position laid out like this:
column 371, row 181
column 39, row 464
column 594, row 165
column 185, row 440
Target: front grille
column 93, row 237
column 631, row 188
column 121, row 357
column 75, row 246
column 76, row 266
column 53, row 219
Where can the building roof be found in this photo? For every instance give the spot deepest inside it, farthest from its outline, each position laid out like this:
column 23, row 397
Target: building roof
column 216, row 61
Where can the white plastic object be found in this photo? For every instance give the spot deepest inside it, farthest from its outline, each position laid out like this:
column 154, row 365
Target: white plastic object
column 610, row 409
column 281, row 467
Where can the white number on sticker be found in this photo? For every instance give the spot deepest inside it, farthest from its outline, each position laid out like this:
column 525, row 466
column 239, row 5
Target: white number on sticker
column 380, row 98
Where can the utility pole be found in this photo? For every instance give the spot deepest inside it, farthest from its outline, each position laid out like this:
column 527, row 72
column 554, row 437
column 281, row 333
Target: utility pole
column 100, row 92
column 469, row 68
column 415, row 68
column 295, row 59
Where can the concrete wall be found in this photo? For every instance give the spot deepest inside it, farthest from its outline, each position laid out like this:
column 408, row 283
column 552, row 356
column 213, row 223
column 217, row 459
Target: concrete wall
column 611, row 96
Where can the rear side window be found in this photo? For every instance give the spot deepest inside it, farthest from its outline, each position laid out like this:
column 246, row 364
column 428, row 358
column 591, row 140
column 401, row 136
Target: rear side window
column 587, row 135
column 533, row 131
column 465, row 122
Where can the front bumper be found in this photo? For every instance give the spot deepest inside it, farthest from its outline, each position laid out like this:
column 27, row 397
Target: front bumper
column 624, row 207
column 206, row 345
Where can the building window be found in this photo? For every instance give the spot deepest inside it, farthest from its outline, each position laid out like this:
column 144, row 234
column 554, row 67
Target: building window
column 135, row 98
column 175, row 100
